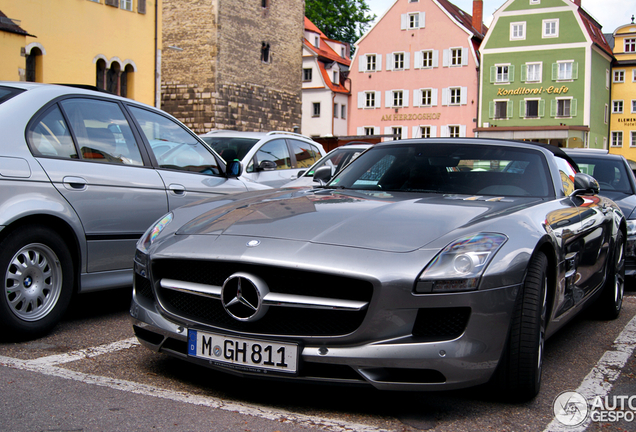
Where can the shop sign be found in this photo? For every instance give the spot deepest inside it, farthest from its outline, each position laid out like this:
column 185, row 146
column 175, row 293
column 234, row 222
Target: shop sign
column 524, row 91
column 407, row 117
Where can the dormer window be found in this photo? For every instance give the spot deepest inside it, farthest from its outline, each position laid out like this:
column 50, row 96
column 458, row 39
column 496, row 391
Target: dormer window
column 317, row 42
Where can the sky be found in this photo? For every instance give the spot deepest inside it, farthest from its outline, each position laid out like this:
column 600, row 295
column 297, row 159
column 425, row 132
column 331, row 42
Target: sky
column 609, row 13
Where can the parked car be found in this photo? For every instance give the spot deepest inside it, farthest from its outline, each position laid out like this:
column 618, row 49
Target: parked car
column 409, row 270
column 271, row 158
column 334, row 161
column 616, row 181
column 82, row 175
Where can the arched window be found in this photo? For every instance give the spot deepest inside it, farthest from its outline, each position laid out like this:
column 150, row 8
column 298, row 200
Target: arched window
column 33, row 60
column 112, row 78
column 100, row 78
column 125, row 79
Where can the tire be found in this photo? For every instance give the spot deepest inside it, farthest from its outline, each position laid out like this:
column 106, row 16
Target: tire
column 37, row 270
column 610, row 302
column 518, row 375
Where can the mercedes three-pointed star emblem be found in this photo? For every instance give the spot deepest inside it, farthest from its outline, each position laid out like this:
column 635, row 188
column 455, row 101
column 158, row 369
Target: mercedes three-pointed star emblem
column 242, row 297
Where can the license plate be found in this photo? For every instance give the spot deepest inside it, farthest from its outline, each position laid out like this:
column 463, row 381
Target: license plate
column 247, row 354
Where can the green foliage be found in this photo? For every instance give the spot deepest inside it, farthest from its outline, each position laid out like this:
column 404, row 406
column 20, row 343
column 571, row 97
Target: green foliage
column 341, row 20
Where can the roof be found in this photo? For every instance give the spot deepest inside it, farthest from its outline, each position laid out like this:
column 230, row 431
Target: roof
column 463, row 18
column 595, row 32
column 324, row 51
column 10, row 26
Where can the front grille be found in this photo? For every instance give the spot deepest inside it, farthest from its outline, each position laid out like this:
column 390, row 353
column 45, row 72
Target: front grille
column 630, row 264
column 143, row 287
column 440, row 324
column 278, row 320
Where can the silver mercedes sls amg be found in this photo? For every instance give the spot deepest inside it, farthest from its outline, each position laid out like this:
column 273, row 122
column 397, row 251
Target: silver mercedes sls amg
column 424, row 265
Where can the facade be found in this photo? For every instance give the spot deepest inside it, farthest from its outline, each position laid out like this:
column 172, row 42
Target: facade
column 414, row 73
column 233, row 64
column 545, row 75
column 88, row 42
column 325, row 94
column 12, row 43
column 622, row 135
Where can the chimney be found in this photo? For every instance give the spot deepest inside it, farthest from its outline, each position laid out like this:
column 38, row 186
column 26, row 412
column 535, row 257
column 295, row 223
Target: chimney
column 478, row 14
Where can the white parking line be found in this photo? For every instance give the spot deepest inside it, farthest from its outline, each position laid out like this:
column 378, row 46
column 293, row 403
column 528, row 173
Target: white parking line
column 600, row 380
column 49, row 366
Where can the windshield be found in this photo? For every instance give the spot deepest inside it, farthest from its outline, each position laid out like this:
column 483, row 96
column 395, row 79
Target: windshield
column 449, row 169
column 336, row 160
column 611, row 174
column 230, row 148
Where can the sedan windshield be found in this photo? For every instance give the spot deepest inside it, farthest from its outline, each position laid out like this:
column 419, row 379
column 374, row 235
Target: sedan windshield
column 230, row 148
column 611, row 174
column 449, row 169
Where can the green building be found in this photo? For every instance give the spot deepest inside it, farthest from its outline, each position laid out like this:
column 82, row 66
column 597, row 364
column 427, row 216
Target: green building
column 545, row 75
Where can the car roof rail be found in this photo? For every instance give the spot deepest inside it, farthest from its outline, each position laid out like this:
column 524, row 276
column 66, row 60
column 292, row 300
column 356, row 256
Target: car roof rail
column 288, row 133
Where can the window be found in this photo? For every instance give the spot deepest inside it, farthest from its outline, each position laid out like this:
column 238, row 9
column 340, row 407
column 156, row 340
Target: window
column 606, row 114
column 335, row 110
column 370, row 99
column 33, row 63
column 126, row 4
column 264, row 3
column 427, row 97
column 517, row 31
column 370, row 62
column 343, row 111
column 307, row 74
column 425, row 131
column 455, row 95
column 501, row 109
column 398, row 61
column 502, row 74
column 564, row 107
column 369, row 131
column 274, row 151
column 342, row 52
column 532, row 109
column 316, row 112
column 427, row 59
column 265, row 57
column 535, row 2
column 456, row 56
column 533, row 72
column 398, row 98
column 617, row 107
column 305, row 153
column 113, row 80
column 619, row 76
column 335, row 77
column 414, row 20
column 397, row 132
column 317, row 42
column 630, row 45
column 633, row 106
column 617, row 139
column 454, row 131
column 566, row 70
column 632, row 142
column 550, row 28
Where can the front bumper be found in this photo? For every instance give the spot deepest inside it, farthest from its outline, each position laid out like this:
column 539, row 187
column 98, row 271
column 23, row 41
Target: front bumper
column 400, row 362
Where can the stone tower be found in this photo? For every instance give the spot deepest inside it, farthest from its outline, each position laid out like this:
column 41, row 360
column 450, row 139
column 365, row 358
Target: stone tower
column 233, row 64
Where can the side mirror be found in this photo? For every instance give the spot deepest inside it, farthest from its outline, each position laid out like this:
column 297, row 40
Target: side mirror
column 323, row 174
column 300, row 173
column 234, row 169
column 267, row 165
column 585, row 184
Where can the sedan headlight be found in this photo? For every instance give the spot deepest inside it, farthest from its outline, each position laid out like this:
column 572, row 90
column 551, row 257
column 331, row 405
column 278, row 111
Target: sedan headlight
column 153, row 232
column 631, row 227
column 459, row 266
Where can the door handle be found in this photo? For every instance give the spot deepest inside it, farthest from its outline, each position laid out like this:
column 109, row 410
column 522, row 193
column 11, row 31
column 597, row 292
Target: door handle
column 74, row 183
column 177, row 189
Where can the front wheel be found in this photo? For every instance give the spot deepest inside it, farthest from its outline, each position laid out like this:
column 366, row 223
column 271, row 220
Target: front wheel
column 38, row 281
column 611, row 300
column 518, row 374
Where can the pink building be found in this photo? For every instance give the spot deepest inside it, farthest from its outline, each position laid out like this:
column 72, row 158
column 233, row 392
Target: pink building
column 415, row 73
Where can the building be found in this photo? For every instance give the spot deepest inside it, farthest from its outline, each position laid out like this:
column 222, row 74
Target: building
column 110, row 44
column 12, row 43
column 545, row 75
column 325, row 79
column 622, row 137
column 414, row 73
column 233, row 64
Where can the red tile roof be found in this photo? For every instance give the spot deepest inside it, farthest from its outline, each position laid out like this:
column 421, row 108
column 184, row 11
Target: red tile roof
column 593, row 28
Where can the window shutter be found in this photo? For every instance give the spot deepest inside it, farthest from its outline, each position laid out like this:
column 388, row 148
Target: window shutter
column 111, row 3
column 389, row 62
column 575, row 70
column 407, row 60
column 553, row 108
column 433, row 131
column 405, row 132
column 405, row 98
column 522, row 108
column 444, row 96
column 417, row 132
column 491, row 109
column 422, row 19
column 376, row 130
column 462, row 131
column 360, row 131
column 443, row 131
column 404, row 19
column 141, row 6
column 464, row 96
column 418, row 60
column 464, row 56
column 387, row 130
column 524, row 73
column 378, row 62
column 446, row 58
column 573, row 106
column 362, row 99
column 362, row 63
column 417, row 97
column 555, row 71
column 493, row 74
column 435, row 58
column 511, row 73
column 541, row 108
column 434, row 97
column 509, row 109
column 378, row 99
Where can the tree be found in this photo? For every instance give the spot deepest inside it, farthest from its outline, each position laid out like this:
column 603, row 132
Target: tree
column 341, row 20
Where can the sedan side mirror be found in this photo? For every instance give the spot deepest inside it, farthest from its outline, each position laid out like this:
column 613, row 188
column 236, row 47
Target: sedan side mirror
column 585, row 184
column 234, row 169
column 322, row 174
column 267, row 165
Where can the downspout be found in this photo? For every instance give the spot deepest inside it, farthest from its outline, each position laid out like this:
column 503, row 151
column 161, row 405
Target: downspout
column 157, row 98
column 333, row 113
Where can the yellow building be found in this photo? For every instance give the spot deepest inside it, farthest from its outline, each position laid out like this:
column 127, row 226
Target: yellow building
column 622, row 133
column 111, row 44
column 12, row 43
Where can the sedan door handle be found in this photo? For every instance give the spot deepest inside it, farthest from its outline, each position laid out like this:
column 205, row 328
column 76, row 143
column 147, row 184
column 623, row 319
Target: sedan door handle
column 74, row 183
column 177, row 189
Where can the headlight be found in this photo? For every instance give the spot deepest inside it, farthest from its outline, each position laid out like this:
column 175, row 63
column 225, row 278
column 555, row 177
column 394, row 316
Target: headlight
column 631, row 227
column 460, row 265
column 153, row 232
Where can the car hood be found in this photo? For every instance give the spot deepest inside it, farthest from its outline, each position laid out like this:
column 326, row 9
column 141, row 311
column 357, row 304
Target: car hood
column 394, row 222
column 626, row 202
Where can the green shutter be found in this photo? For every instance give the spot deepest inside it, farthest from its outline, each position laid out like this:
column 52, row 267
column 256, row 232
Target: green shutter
column 573, row 105
column 509, row 109
column 541, row 108
column 511, row 73
column 493, row 74
column 524, row 73
column 555, row 71
column 575, row 70
column 522, row 108
column 553, row 108
column 491, row 109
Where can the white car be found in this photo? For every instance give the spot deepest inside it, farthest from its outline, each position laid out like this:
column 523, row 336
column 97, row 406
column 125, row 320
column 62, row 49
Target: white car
column 270, row 158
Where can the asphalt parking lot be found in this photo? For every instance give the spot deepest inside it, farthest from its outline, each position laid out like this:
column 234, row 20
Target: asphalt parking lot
column 91, row 375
